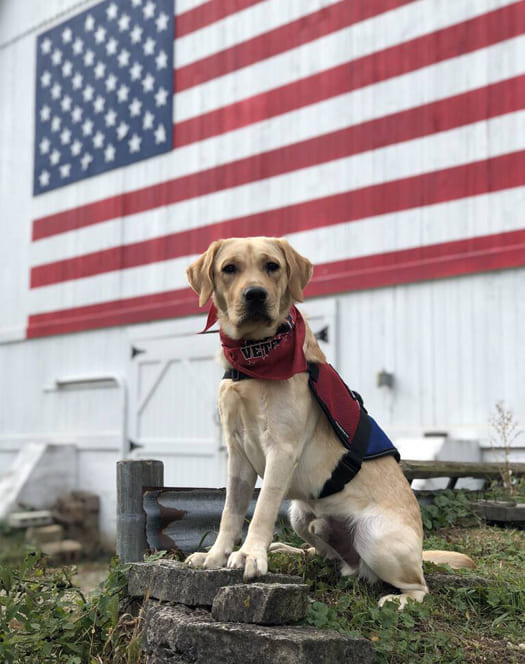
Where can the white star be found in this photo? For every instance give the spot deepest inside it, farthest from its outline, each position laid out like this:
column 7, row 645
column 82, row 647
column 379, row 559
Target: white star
column 162, row 22
column 45, row 113
column 88, row 93
column 76, row 114
column 98, row 139
column 66, row 103
column 109, row 153
column 100, row 70
column 77, row 80
column 111, row 46
column 44, row 178
column 46, row 46
column 136, row 3
column 123, row 23
column 112, row 11
column 66, row 35
column 76, row 148
column 122, row 93
column 54, row 157
column 134, row 107
column 134, row 143
column 160, row 134
column 65, row 136
column 161, row 96
column 56, row 58
column 147, row 122
column 111, row 83
column 135, row 71
column 162, row 60
column 89, row 23
column 89, row 58
column 56, row 90
column 98, row 104
column 78, row 46
column 65, row 170
column 45, row 79
column 123, row 58
column 110, row 118
column 122, row 130
column 86, row 160
column 45, row 144
column 87, row 127
column 147, row 83
column 136, row 34
column 55, row 123
column 100, row 34
column 149, row 46
column 149, row 10
column 67, row 68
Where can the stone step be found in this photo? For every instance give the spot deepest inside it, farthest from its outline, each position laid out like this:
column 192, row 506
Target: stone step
column 172, row 581
column 261, row 603
column 176, row 635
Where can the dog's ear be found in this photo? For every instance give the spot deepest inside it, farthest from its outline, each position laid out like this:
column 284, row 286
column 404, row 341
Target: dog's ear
column 200, row 273
column 299, row 270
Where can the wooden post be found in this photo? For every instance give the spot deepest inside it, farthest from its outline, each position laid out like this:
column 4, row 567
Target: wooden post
column 132, row 476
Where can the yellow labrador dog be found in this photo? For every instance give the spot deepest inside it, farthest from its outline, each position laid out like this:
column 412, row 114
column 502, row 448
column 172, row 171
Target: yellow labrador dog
column 277, row 430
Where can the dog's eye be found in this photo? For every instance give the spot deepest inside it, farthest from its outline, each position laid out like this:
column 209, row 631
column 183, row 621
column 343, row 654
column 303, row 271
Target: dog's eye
column 229, row 269
column 272, row 267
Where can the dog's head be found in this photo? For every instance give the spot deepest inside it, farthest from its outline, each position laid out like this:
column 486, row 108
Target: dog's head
column 254, row 281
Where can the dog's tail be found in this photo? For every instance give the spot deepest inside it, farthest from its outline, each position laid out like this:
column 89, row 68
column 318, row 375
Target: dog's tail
column 453, row 558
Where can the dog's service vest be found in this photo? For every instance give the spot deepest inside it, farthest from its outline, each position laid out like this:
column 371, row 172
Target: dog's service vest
column 282, row 356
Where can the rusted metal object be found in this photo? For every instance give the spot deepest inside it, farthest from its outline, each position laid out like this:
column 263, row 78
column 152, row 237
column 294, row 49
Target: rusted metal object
column 188, row 520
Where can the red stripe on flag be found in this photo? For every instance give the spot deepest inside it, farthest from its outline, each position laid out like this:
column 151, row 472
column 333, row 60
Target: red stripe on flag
column 471, row 256
column 497, row 99
column 488, row 28
column 454, row 183
column 429, row 49
column 207, row 13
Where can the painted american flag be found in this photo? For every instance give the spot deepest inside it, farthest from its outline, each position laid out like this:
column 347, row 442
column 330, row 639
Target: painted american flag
column 384, row 138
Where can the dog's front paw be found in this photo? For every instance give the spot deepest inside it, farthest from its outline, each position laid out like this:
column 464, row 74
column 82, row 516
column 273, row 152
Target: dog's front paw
column 211, row 560
column 254, row 563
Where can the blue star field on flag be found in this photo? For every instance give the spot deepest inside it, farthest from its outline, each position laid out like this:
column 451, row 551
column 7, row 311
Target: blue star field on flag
column 104, row 91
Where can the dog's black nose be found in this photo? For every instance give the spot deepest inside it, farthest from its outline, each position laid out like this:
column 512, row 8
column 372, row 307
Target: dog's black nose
column 255, row 295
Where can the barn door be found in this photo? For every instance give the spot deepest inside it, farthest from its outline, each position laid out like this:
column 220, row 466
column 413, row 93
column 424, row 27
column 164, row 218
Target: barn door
column 173, row 408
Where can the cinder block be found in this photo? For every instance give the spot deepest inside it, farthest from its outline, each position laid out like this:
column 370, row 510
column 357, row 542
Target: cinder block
column 172, row 581
column 28, row 519
column 45, row 534
column 261, row 603
column 66, row 549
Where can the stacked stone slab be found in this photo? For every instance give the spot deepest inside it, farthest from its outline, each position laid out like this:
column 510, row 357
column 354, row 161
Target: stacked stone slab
column 78, row 513
column 206, row 616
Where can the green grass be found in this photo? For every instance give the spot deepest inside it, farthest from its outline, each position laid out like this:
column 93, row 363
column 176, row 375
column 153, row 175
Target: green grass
column 457, row 622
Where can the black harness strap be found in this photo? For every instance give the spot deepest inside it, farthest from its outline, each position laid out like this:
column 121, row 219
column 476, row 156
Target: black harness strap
column 350, row 463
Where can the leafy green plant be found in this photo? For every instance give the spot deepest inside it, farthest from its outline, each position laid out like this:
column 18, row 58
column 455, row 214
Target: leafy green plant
column 45, row 618
column 448, row 508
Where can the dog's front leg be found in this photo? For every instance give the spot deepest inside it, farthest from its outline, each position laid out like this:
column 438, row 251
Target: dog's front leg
column 239, row 491
column 252, row 556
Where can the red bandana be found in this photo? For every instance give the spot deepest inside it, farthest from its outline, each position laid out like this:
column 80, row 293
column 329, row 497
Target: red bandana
column 274, row 358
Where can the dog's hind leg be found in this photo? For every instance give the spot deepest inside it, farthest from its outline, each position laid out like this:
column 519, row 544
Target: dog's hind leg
column 393, row 552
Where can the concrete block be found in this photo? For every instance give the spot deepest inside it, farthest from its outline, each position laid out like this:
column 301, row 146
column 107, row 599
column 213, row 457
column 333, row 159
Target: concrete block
column 174, row 634
column 500, row 511
column 261, row 603
column 45, row 534
column 29, row 519
column 172, row 581
column 66, row 549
